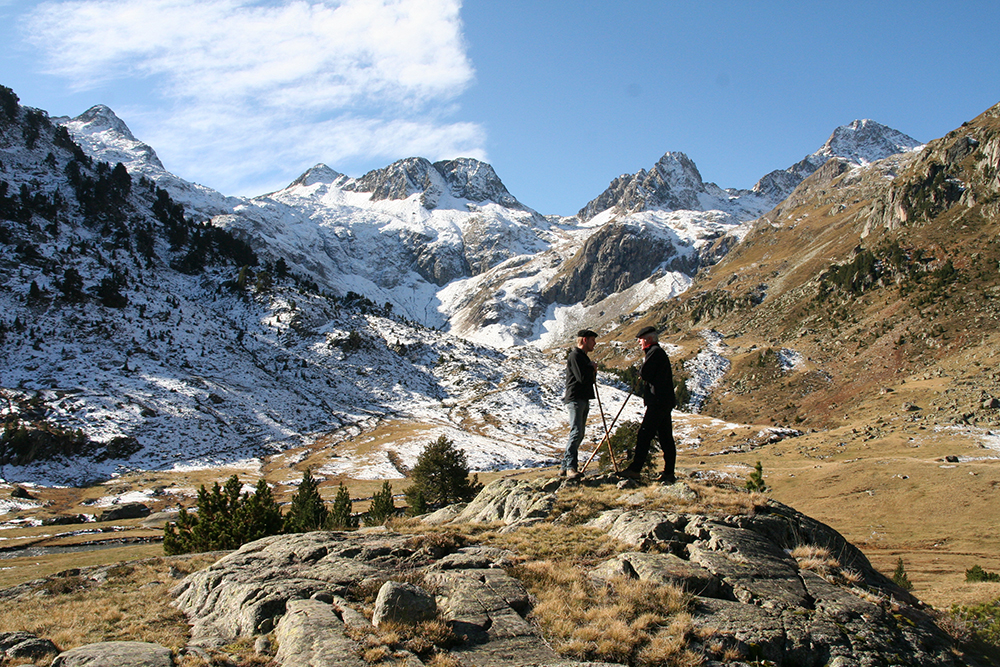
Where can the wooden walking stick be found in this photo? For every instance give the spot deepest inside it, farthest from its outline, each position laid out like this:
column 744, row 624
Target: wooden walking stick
column 607, row 433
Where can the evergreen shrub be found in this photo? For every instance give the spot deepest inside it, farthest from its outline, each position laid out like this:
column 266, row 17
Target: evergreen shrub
column 226, row 519
column 441, row 476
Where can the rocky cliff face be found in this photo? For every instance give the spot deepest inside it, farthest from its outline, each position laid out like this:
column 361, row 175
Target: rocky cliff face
column 960, row 168
column 614, row 258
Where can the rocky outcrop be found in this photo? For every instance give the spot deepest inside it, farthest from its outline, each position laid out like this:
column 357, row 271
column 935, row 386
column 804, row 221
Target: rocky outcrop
column 116, row 654
column 749, row 587
column 959, row 169
column 24, row 645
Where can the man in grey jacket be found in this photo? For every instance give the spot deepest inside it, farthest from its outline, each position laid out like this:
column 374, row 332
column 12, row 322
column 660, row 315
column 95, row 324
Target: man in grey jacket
column 581, row 374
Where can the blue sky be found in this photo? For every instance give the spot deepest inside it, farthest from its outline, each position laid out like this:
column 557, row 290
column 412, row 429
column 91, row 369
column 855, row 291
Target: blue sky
column 559, row 96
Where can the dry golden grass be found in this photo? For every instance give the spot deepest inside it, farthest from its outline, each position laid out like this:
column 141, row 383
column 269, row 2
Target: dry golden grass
column 819, row 560
column 625, row 621
column 391, row 641
column 131, row 604
column 576, row 544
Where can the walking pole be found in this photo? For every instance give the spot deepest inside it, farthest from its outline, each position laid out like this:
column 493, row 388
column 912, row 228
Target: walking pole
column 607, row 431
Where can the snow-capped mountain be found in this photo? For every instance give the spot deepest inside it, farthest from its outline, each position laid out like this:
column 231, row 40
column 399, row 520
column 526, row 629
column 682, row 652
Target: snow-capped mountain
column 448, row 246
column 674, row 183
column 174, row 324
column 107, row 138
column 859, row 143
column 136, row 338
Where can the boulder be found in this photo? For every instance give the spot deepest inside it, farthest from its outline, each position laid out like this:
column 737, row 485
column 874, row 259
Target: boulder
column 403, row 603
column 511, row 501
column 660, row 569
column 126, row 511
column 36, row 647
column 115, row 654
column 310, row 633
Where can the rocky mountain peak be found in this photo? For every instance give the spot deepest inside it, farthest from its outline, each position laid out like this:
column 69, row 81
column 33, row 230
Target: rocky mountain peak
column 476, row 181
column 673, row 183
column 860, row 142
column 108, row 137
column 399, row 180
column 865, row 141
column 319, row 173
column 100, row 118
column 461, row 178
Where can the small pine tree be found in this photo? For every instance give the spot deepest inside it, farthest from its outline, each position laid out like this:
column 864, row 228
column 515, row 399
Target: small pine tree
column 622, row 441
column 226, row 519
column 899, row 576
column 260, row 515
column 441, row 474
column 307, row 510
column 381, row 507
column 341, row 517
column 976, row 573
column 756, row 480
column 417, row 503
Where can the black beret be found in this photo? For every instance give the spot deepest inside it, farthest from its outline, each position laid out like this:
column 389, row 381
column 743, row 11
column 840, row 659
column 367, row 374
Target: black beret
column 586, row 333
column 645, row 331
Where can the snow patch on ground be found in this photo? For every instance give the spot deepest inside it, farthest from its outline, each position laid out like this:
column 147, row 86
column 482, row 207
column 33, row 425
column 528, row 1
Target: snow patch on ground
column 707, row 368
column 790, row 359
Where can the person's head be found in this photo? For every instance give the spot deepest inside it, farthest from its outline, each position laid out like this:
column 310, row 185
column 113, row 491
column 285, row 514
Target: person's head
column 586, row 340
column 647, row 337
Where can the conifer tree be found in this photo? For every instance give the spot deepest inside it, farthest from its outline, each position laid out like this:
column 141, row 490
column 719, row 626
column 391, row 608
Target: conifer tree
column 756, row 480
column 307, row 511
column 382, row 507
column 226, row 519
column 417, row 503
column 899, row 576
column 441, row 475
column 340, row 516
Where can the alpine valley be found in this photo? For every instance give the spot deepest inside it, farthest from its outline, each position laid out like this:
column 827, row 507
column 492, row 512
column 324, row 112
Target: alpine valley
column 836, row 322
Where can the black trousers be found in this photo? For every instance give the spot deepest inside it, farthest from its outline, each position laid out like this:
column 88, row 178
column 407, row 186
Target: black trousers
column 656, row 422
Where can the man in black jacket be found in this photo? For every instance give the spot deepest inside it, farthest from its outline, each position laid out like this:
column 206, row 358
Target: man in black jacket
column 581, row 373
column 658, row 396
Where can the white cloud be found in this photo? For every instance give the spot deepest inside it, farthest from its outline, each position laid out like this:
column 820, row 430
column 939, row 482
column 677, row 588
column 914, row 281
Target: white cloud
column 243, row 84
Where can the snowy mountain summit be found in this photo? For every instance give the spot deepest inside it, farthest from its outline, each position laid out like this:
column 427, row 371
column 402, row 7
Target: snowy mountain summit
column 865, row 141
column 860, row 142
column 674, row 183
column 460, row 179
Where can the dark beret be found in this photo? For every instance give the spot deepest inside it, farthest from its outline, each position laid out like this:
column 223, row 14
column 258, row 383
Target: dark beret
column 586, row 333
column 645, row 331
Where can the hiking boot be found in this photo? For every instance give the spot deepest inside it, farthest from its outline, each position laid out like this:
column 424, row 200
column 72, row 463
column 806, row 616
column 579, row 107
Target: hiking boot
column 572, row 474
column 666, row 477
column 628, row 474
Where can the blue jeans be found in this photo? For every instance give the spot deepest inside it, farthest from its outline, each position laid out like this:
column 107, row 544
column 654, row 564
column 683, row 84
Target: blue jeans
column 578, row 411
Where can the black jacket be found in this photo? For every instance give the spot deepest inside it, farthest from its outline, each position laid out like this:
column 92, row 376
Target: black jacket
column 658, row 385
column 580, row 376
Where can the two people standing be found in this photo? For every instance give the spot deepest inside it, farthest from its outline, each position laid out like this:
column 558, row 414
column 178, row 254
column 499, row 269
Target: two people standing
column 657, row 394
